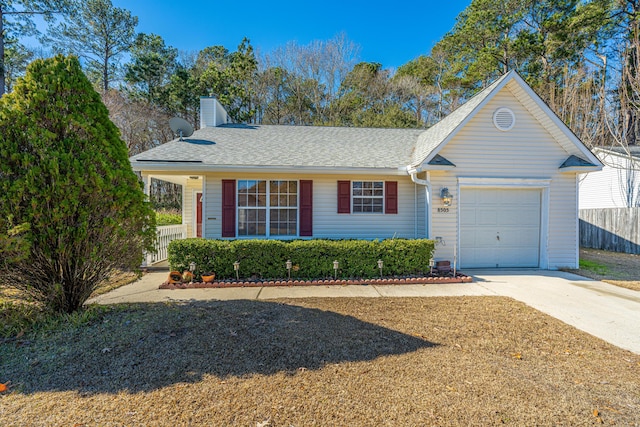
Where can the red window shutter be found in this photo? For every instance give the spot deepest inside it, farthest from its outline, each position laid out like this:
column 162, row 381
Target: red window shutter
column 344, row 196
column 306, row 208
column 228, row 208
column 391, row 197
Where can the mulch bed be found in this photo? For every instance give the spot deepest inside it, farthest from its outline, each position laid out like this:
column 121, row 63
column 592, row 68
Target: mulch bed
column 459, row 278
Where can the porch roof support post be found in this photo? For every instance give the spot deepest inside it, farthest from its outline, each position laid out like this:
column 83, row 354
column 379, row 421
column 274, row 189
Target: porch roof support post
column 146, row 180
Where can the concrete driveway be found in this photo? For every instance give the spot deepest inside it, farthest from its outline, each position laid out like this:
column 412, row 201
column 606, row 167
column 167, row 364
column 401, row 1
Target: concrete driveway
column 605, row 311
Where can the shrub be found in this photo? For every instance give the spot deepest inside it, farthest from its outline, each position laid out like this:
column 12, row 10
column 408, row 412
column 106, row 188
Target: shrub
column 168, row 218
column 67, row 184
column 311, row 259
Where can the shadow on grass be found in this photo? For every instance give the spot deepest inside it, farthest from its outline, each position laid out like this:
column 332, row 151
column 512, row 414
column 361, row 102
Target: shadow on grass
column 143, row 347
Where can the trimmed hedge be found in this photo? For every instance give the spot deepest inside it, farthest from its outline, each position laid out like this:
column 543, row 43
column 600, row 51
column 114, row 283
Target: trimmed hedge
column 168, row 218
column 312, row 259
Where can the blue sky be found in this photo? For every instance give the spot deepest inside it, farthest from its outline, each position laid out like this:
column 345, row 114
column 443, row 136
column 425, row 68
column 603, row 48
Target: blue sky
column 391, row 33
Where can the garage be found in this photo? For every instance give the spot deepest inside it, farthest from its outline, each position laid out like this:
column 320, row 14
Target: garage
column 500, row 227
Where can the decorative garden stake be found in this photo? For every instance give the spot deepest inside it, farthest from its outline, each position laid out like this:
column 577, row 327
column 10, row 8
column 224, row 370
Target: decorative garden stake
column 336, row 264
column 289, row 265
column 192, row 269
column 380, row 265
column 236, row 267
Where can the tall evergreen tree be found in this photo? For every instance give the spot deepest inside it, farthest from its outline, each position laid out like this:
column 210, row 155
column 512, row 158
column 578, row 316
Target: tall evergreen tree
column 98, row 33
column 152, row 63
column 65, row 179
column 16, row 21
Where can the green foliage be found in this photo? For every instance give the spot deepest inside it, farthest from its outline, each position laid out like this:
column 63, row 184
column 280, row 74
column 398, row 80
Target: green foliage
column 593, row 266
column 66, row 174
column 152, row 65
column 99, row 33
column 229, row 77
column 168, row 218
column 312, row 259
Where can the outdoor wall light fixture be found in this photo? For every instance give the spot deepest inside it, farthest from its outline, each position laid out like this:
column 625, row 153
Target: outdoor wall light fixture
column 336, row 264
column 289, row 265
column 236, row 267
column 446, row 197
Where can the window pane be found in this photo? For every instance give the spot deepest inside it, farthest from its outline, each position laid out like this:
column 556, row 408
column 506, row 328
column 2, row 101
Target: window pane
column 367, row 196
column 273, row 212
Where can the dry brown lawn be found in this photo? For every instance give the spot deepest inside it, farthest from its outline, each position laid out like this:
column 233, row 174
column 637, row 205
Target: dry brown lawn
column 612, row 267
column 320, row 362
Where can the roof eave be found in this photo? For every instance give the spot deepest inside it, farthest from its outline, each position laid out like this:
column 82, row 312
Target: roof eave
column 191, row 168
column 580, row 169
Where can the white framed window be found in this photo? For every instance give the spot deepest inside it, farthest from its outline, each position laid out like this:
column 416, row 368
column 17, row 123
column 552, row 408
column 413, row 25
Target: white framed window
column 367, row 196
column 267, row 208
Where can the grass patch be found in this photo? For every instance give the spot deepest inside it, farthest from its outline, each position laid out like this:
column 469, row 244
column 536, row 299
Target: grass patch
column 19, row 315
column 334, row 361
column 594, row 267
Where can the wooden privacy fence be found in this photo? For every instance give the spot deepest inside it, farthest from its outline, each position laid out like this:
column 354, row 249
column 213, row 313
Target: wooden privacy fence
column 614, row 229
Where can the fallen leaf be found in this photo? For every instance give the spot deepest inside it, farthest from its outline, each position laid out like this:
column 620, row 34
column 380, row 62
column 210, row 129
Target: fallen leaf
column 596, row 413
column 517, row 355
column 265, row 423
column 106, row 350
column 21, row 333
column 3, row 387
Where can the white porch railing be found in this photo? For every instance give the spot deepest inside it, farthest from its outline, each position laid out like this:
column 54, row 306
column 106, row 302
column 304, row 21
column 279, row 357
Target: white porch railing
column 166, row 234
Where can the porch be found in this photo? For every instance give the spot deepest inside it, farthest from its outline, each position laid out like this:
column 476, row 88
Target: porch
column 191, row 207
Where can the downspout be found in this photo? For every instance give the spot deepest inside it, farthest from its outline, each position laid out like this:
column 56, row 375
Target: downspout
column 413, row 172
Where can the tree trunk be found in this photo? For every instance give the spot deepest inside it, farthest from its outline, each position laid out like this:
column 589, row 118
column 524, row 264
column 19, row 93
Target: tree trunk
column 2, row 77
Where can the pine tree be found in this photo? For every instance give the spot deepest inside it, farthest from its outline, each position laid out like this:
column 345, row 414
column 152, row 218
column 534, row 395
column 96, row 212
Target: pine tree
column 66, row 181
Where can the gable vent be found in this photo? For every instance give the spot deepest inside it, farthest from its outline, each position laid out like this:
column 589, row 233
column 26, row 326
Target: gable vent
column 504, row 119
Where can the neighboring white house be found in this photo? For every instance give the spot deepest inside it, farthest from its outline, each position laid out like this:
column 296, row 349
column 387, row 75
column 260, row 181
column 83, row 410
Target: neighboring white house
column 494, row 183
column 617, row 185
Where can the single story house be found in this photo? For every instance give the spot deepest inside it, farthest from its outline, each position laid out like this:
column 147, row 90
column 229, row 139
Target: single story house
column 617, row 185
column 495, row 183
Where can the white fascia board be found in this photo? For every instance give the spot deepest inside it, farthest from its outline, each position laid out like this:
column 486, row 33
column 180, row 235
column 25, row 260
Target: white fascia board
column 580, row 169
column 187, row 168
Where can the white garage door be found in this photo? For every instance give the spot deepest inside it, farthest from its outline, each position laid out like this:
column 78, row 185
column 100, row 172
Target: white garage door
column 499, row 228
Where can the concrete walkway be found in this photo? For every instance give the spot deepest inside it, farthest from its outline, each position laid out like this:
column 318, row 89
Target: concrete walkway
column 605, row 311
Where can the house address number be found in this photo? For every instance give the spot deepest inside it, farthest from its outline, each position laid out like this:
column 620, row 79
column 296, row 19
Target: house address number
column 443, row 210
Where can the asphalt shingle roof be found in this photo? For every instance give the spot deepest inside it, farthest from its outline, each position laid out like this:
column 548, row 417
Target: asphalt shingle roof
column 290, row 146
